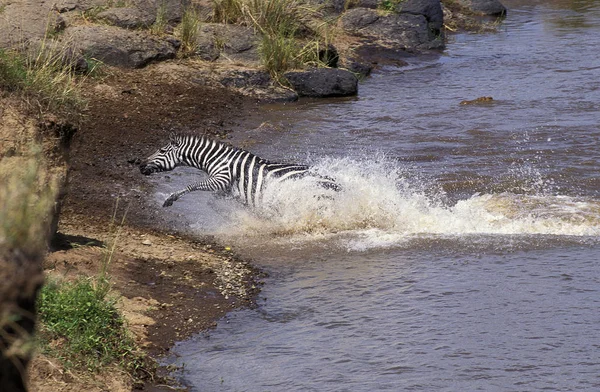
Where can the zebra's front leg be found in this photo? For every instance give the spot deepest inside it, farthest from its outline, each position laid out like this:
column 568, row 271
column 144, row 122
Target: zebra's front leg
column 211, row 184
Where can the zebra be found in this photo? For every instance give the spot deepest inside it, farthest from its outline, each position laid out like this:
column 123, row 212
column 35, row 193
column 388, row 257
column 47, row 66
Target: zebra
column 230, row 170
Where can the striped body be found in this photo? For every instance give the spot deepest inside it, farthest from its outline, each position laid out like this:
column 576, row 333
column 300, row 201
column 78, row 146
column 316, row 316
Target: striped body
column 230, row 169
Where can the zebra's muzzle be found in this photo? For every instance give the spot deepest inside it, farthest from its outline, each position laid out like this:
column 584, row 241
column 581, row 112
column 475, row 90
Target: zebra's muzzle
column 148, row 168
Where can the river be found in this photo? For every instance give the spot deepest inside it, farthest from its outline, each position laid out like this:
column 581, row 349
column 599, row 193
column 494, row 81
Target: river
column 463, row 251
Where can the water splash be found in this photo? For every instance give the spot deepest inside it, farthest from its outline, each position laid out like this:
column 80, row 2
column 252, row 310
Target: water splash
column 384, row 204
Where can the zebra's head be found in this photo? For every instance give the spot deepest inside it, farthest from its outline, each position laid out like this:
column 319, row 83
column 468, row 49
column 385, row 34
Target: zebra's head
column 165, row 158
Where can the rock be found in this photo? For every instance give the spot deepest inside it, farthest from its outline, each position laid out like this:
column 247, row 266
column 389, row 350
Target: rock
column 258, row 84
column 127, row 18
column 77, row 5
column 229, row 42
column 430, row 9
column 480, row 100
column 404, row 31
column 364, row 4
column 358, row 67
column 357, row 19
column 118, row 47
column 147, row 242
column 24, row 21
column 484, row 7
column 323, row 82
column 380, row 55
column 173, row 9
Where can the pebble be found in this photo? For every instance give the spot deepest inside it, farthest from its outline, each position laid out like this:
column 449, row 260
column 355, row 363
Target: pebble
column 147, row 242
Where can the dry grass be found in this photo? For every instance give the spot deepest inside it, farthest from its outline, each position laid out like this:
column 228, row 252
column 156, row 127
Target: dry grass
column 43, row 76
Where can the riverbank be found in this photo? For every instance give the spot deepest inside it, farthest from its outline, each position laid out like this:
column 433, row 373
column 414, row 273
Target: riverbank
column 169, row 286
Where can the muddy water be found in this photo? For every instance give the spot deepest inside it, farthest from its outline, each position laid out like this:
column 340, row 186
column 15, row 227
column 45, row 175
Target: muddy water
column 463, row 252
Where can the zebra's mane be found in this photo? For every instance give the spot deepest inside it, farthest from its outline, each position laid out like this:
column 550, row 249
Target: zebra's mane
column 201, row 138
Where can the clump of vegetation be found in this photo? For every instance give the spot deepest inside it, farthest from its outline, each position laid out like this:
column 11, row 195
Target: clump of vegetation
column 82, row 327
column 161, row 21
column 289, row 36
column 80, row 322
column 44, row 76
column 188, row 30
column 389, row 5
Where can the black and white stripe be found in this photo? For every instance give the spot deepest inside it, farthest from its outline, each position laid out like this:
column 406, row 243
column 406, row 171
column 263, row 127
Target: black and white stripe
column 230, row 169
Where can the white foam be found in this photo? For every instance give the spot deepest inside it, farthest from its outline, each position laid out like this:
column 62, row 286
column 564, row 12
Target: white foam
column 380, row 206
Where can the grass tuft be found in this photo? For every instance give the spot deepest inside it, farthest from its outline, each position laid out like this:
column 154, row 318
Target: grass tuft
column 161, row 21
column 228, row 11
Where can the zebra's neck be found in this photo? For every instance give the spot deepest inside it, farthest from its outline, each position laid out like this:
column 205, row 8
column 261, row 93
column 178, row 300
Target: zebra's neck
column 205, row 153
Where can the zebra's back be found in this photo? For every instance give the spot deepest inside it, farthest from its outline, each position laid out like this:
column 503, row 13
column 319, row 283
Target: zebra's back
column 251, row 174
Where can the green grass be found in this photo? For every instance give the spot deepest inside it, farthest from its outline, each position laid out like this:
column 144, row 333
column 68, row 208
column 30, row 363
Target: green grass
column 82, row 327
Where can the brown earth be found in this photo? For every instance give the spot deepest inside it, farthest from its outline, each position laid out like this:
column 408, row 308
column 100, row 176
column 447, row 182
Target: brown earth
column 172, row 285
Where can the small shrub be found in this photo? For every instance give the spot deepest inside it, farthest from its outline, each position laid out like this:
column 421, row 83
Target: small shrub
column 82, row 327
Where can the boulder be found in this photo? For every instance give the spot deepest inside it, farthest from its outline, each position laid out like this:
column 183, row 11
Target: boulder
column 228, row 42
column 404, row 31
column 118, row 47
column 127, row 18
column 323, row 82
column 484, row 7
column 430, row 9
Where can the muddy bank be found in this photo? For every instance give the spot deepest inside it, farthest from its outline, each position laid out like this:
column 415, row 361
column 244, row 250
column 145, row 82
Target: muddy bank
column 172, row 286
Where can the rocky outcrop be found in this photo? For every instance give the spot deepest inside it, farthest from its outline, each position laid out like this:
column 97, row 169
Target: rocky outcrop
column 119, row 47
column 401, row 31
column 323, row 82
column 484, row 7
